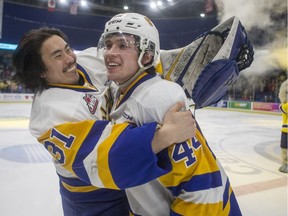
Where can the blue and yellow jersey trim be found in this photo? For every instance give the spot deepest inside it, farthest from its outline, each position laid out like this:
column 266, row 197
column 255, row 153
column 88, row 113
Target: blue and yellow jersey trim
column 192, row 183
column 100, row 153
column 71, row 142
column 140, row 79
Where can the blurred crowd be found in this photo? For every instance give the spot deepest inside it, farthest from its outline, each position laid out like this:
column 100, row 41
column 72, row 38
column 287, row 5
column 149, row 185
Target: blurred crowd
column 6, row 73
column 259, row 87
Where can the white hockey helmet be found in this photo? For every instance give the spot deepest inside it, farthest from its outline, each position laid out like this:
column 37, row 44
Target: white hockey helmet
column 138, row 25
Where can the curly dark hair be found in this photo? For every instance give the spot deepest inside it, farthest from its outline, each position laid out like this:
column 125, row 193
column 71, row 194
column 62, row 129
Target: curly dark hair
column 27, row 59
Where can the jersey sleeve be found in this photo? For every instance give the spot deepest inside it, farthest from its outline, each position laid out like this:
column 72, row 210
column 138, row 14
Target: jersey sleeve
column 152, row 105
column 196, row 180
column 89, row 60
column 115, row 156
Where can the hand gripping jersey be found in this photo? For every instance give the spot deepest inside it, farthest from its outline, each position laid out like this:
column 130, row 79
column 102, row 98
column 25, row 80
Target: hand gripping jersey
column 196, row 184
column 90, row 154
column 207, row 66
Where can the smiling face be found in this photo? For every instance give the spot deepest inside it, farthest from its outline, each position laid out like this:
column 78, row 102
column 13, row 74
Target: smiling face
column 121, row 57
column 60, row 62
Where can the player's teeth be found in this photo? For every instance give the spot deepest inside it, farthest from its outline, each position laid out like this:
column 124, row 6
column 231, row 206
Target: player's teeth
column 113, row 64
column 70, row 69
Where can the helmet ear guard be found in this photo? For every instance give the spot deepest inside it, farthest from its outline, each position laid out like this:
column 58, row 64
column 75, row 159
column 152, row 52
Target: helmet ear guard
column 147, row 59
column 206, row 67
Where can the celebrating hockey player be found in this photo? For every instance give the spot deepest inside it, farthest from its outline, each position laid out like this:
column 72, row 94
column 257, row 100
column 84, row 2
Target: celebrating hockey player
column 67, row 115
column 71, row 107
column 195, row 184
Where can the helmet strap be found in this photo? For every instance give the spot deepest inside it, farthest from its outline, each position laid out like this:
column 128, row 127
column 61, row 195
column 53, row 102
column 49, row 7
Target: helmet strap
column 142, row 68
column 132, row 79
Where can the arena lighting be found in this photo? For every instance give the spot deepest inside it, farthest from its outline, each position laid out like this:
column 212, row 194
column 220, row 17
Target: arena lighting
column 125, row 7
column 153, row 5
column 160, row 4
column 63, row 1
column 83, row 3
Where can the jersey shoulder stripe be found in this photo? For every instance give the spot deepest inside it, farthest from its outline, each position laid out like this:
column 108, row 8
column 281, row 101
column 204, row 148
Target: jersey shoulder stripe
column 142, row 78
column 84, row 73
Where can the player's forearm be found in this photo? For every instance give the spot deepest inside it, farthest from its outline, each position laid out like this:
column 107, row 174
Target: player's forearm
column 162, row 139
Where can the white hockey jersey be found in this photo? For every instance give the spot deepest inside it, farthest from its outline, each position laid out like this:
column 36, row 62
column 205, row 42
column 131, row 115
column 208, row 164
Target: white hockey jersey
column 196, row 184
column 91, row 155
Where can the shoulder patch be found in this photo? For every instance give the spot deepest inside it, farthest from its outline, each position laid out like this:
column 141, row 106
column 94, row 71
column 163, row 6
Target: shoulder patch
column 92, row 102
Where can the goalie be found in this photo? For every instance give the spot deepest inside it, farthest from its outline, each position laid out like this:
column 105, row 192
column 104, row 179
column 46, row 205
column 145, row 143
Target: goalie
column 206, row 67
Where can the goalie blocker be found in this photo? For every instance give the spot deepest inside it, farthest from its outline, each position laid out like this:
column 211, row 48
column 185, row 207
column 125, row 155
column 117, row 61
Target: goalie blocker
column 206, row 67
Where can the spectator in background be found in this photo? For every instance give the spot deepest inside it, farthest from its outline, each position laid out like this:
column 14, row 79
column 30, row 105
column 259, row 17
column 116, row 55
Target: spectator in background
column 283, row 96
column 5, row 86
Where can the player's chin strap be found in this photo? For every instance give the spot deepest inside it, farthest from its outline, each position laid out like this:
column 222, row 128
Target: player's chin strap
column 142, row 68
column 206, row 67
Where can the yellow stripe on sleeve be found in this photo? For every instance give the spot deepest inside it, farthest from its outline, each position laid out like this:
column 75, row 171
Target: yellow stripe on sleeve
column 103, row 156
column 79, row 189
column 189, row 209
column 63, row 141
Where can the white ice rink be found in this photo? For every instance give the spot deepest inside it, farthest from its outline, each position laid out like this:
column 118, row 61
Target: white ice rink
column 247, row 144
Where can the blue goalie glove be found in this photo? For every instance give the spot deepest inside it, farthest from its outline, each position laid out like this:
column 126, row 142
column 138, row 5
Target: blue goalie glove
column 206, row 67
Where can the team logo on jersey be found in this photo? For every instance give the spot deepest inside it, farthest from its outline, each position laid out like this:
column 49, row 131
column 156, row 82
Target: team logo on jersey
column 92, row 102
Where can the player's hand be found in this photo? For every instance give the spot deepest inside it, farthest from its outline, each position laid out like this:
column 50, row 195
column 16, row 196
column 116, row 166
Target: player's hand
column 181, row 123
column 178, row 126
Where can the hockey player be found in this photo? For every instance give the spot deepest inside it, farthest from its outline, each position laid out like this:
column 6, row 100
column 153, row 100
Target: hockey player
column 196, row 184
column 283, row 96
column 68, row 116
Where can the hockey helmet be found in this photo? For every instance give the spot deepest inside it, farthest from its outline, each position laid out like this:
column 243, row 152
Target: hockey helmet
column 139, row 26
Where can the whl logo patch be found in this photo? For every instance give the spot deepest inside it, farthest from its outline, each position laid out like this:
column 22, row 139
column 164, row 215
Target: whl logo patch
column 92, row 102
